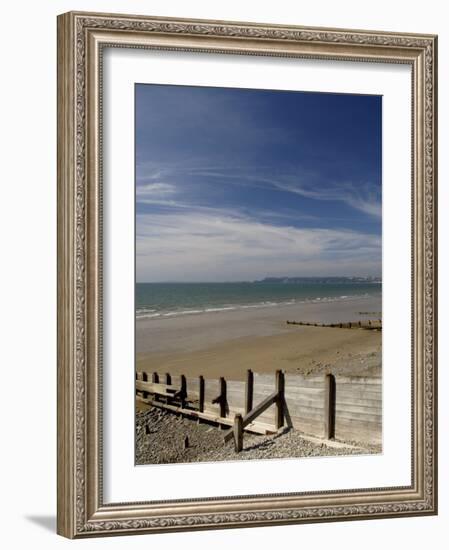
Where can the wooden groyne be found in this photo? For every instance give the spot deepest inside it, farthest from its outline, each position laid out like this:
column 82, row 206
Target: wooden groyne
column 367, row 325
column 327, row 406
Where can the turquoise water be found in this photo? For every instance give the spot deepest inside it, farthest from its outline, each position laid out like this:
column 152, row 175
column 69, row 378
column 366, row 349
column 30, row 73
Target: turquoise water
column 156, row 300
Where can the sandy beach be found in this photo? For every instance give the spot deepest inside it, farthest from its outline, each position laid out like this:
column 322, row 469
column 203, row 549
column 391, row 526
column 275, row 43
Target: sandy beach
column 230, row 342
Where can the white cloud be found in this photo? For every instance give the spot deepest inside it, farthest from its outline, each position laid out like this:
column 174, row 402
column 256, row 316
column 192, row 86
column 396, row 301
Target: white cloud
column 155, row 189
column 217, row 246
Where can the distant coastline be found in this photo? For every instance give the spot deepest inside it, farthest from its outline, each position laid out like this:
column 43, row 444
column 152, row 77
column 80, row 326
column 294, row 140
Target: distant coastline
column 283, row 279
column 320, row 280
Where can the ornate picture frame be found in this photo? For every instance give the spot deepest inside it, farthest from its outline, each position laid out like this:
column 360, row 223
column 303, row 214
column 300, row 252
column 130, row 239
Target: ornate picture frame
column 82, row 39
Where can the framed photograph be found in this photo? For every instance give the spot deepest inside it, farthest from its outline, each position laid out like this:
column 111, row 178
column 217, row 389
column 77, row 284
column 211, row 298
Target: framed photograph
column 246, row 274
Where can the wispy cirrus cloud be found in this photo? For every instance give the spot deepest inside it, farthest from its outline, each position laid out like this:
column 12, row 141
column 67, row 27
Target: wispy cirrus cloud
column 363, row 196
column 208, row 246
column 240, row 184
column 360, row 196
column 155, row 189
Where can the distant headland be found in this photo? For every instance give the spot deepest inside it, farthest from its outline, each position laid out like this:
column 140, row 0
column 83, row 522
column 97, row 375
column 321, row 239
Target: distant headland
column 320, row 280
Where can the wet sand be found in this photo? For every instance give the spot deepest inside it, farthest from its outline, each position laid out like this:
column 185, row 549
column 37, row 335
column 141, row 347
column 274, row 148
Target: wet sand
column 230, row 342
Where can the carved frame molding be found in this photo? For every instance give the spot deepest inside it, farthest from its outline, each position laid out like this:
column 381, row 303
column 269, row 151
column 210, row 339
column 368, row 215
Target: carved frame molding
column 81, row 39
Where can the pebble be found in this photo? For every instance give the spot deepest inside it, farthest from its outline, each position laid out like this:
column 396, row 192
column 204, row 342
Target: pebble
column 205, row 442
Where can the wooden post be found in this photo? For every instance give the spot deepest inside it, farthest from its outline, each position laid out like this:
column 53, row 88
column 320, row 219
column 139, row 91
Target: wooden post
column 249, row 391
column 183, row 391
column 155, row 380
column 144, row 379
column 280, row 389
column 329, row 406
column 201, row 394
column 168, row 379
column 238, row 433
column 223, row 397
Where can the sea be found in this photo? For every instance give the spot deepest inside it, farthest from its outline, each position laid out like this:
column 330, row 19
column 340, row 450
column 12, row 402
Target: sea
column 164, row 300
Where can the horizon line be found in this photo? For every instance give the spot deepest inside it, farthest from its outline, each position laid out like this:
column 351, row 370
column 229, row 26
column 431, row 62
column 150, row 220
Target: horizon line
column 264, row 278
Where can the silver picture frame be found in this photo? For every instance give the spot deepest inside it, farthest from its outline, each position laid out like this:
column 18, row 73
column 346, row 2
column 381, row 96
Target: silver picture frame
column 82, row 38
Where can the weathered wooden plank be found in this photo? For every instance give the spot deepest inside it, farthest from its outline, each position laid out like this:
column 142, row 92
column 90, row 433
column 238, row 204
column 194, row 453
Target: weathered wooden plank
column 356, row 386
column 236, row 400
column 176, row 380
column 258, row 409
column 150, row 387
column 267, row 378
column 318, row 419
column 237, row 384
column 359, row 390
column 370, row 428
column 255, row 412
column 297, row 380
column 352, row 401
column 255, row 427
column 359, row 398
column 371, row 419
column 300, row 391
column 304, row 408
column 359, row 395
column 357, row 381
column 305, row 401
column 358, row 409
column 315, row 429
column 267, row 418
column 303, row 382
column 348, row 400
column 299, row 420
column 232, row 411
column 211, row 390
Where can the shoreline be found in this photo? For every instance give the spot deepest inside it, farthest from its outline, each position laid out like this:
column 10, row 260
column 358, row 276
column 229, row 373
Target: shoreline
column 150, row 313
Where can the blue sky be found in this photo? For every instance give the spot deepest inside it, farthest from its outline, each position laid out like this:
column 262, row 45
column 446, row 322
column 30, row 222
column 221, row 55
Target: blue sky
column 235, row 184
